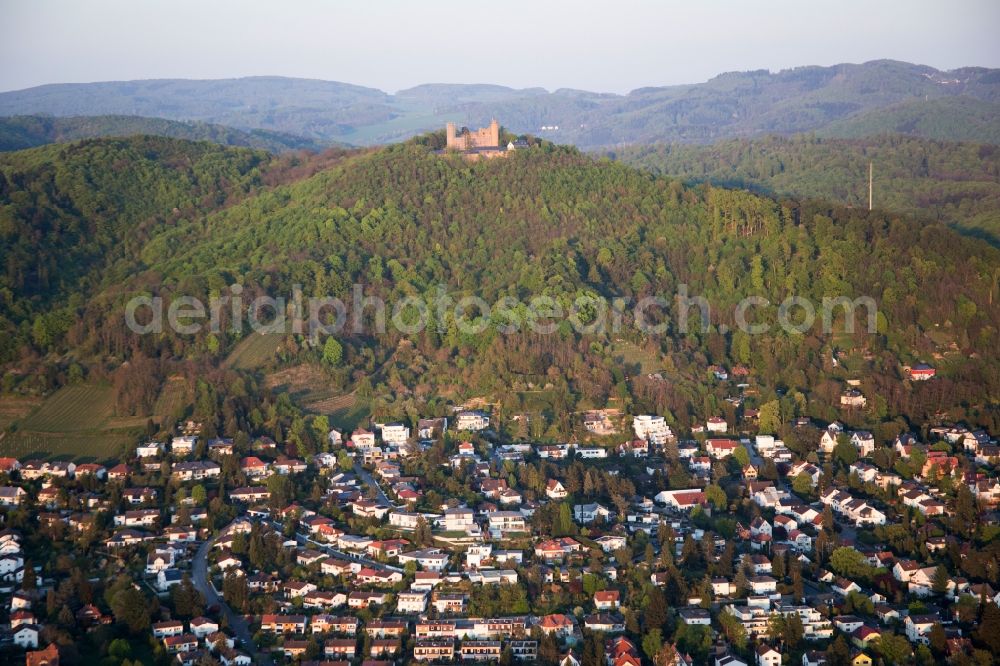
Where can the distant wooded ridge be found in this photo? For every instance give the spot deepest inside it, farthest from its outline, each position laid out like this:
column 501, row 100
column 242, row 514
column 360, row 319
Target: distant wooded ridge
column 846, row 100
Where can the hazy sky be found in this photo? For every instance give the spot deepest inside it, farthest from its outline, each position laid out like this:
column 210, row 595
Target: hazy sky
column 609, row 45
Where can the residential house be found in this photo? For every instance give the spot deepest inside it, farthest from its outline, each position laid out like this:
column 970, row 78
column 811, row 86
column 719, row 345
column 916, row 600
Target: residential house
column 555, row 490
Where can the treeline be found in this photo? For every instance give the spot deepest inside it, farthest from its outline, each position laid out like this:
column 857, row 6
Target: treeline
column 954, row 183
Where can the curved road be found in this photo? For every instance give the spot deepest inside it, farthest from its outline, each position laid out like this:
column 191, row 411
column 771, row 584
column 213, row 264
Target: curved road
column 239, row 625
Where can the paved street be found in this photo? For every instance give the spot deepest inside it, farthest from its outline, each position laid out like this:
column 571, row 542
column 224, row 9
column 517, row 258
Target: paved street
column 240, row 627
column 365, row 476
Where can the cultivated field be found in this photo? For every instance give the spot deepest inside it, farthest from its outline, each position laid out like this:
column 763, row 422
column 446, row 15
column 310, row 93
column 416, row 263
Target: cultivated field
column 346, row 411
column 254, row 351
column 104, row 445
column 74, row 422
column 305, row 383
column 14, row 407
column 310, row 387
column 174, row 396
column 71, row 409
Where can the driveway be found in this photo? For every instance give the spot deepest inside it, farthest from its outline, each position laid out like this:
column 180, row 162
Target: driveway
column 239, row 625
column 755, row 458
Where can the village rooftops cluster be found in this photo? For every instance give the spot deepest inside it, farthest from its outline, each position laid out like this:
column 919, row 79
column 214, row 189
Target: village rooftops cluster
column 395, row 540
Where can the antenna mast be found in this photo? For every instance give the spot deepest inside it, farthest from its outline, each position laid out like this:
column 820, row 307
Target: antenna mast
column 870, row 173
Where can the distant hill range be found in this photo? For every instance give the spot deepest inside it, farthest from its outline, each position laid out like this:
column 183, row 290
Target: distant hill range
column 20, row 132
column 845, row 100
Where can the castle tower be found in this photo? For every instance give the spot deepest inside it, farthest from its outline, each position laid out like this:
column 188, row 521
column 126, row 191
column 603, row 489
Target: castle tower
column 452, row 139
column 494, row 132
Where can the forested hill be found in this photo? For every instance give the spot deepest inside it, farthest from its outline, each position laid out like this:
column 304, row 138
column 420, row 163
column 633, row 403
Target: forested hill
column 955, row 183
column 844, row 100
column 20, row 132
column 74, row 216
column 69, row 208
column 546, row 220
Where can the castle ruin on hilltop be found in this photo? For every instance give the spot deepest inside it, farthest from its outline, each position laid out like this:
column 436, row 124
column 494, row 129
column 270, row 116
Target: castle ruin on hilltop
column 481, row 143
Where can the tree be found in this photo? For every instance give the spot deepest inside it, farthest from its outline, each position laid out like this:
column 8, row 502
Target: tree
column 548, row 650
column 66, row 619
column 741, row 455
column 422, row 535
column 652, row 644
column 30, row 580
column 940, row 581
column 593, row 650
column 281, row 488
column 828, row 520
column 802, row 484
column 563, row 524
column 188, row 601
column 966, row 512
column 850, row 563
column 717, row 496
column 844, row 451
column 859, row 603
column 235, row 591
column 198, row 494
column 130, row 608
column 769, row 417
column 344, row 460
column 667, row 656
column 120, row 649
column 333, row 352
column 938, row 639
column 988, row 632
column 734, row 630
column 656, row 610
column 775, row 627
column 740, row 580
column 798, row 586
column 895, row 649
column 778, row 566
column 793, row 631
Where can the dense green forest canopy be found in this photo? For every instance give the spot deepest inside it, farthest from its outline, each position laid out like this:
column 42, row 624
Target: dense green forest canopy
column 20, row 132
column 109, row 219
column 954, row 183
column 70, row 213
column 74, row 217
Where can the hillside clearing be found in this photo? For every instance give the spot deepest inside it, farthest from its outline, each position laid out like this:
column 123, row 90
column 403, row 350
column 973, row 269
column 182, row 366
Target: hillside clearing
column 254, row 351
column 72, row 409
column 174, row 396
column 75, row 422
